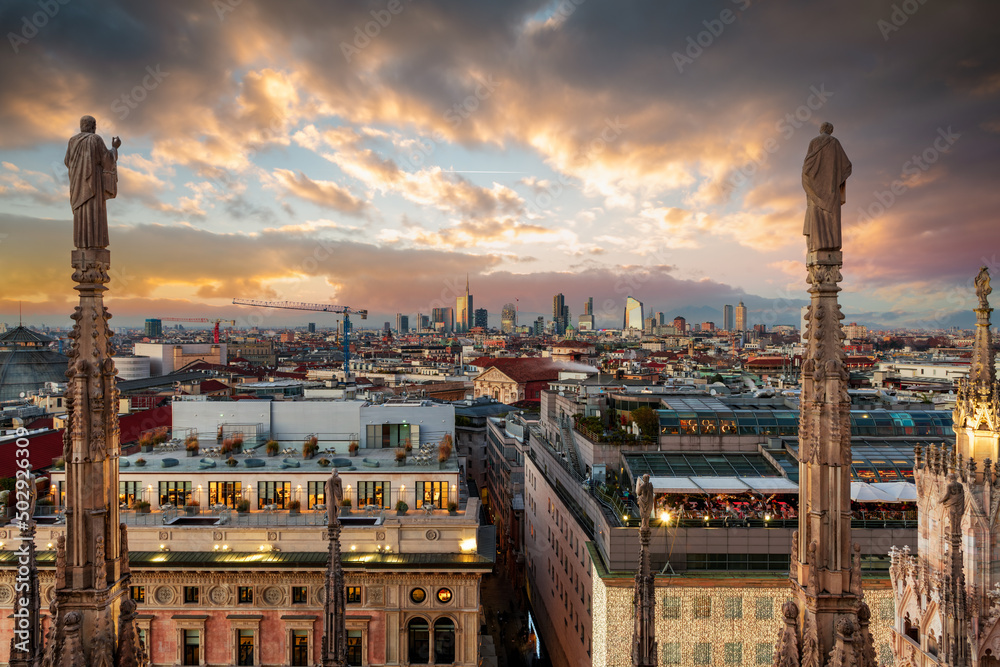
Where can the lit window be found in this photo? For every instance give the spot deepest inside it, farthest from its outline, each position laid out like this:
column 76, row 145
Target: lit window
column 418, row 595
column 444, row 595
column 354, row 595
column 138, row 594
column 300, row 595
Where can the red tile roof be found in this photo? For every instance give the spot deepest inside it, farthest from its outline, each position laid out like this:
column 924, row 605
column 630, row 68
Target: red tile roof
column 522, row 370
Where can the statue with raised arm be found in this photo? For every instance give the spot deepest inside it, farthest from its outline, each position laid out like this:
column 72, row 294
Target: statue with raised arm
column 93, row 179
column 983, row 288
column 824, row 178
column 644, row 496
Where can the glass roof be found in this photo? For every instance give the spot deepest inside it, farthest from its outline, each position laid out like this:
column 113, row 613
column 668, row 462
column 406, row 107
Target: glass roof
column 664, row 464
column 690, row 420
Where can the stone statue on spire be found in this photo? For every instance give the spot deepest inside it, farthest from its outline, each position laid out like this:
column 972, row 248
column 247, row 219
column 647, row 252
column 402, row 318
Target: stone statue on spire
column 983, row 288
column 824, row 178
column 93, row 179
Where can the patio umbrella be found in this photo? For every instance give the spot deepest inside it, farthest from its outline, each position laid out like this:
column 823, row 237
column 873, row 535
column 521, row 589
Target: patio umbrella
column 866, row 493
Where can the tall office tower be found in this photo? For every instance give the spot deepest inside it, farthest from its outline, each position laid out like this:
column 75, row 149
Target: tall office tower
column 464, row 310
column 154, row 328
column 741, row 317
column 387, row 327
column 443, row 319
column 661, row 319
column 680, row 324
column 312, row 327
column 727, row 318
column 508, row 318
column 482, row 318
column 586, row 321
column 560, row 313
column 650, row 324
column 708, row 326
column 423, row 322
column 402, row 323
column 633, row 314
column 539, row 326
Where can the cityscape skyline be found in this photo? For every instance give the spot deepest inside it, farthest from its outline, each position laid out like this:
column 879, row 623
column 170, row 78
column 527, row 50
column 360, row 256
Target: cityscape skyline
column 327, row 174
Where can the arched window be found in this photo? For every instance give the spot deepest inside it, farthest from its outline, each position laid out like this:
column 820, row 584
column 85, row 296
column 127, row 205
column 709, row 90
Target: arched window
column 444, row 641
column 419, row 642
column 496, row 394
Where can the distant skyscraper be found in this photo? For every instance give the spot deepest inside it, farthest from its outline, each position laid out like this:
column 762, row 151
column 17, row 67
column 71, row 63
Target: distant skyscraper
column 154, row 328
column 464, row 310
column 443, row 319
column 312, row 327
column 539, row 326
column 423, row 322
column 482, row 318
column 586, row 321
column 402, row 323
column 660, row 319
column 680, row 324
column 708, row 326
column 727, row 318
column 633, row 314
column 508, row 318
column 741, row 317
column 560, row 313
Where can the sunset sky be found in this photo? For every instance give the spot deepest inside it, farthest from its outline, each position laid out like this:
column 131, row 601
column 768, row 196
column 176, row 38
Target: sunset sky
column 372, row 154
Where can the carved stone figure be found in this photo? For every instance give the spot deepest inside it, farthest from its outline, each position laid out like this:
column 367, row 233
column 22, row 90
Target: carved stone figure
column 983, row 288
column 334, row 492
column 824, row 178
column 644, row 497
column 953, row 501
column 93, row 178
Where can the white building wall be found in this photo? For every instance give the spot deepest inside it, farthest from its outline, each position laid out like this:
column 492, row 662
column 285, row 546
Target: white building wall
column 330, row 421
column 206, row 416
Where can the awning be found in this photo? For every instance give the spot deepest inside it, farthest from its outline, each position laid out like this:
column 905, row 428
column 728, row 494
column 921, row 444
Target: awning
column 901, row 492
column 721, row 484
column 674, row 485
column 771, row 484
column 863, row 492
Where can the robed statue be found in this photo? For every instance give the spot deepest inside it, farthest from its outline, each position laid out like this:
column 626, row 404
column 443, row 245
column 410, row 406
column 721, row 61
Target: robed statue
column 644, row 498
column 953, row 502
column 334, row 494
column 983, row 288
column 93, row 179
column 824, row 178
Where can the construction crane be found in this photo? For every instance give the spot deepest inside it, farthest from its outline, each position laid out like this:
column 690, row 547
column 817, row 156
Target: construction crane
column 322, row 307
column 215, row 329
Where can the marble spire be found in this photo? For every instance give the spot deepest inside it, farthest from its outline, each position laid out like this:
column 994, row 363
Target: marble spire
column 823, row 626
column 90, row 603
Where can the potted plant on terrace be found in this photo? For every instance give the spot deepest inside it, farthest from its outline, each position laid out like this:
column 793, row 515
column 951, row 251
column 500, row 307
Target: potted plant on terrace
column 192, row 507
column 401, row 507
column 310, row 447
column 140, row 461
column 400, row 457
column 227, row 446
column 324, row 462
column 407, row 445
column 238, row 443
column 271, row 447
column 444, row 451
column 452, row 507
column 191, row 445
column 352, row 448
column 146, row 443
column 243, row 506
column 345, row 506
column 231, row 462
column 141, row 506
column 294, row 507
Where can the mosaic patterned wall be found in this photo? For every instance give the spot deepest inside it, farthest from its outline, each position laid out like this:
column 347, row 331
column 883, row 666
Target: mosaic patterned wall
column 717, row 626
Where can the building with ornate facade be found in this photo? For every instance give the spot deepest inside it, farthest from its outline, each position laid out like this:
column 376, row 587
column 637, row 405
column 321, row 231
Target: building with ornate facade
column 948, row 590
